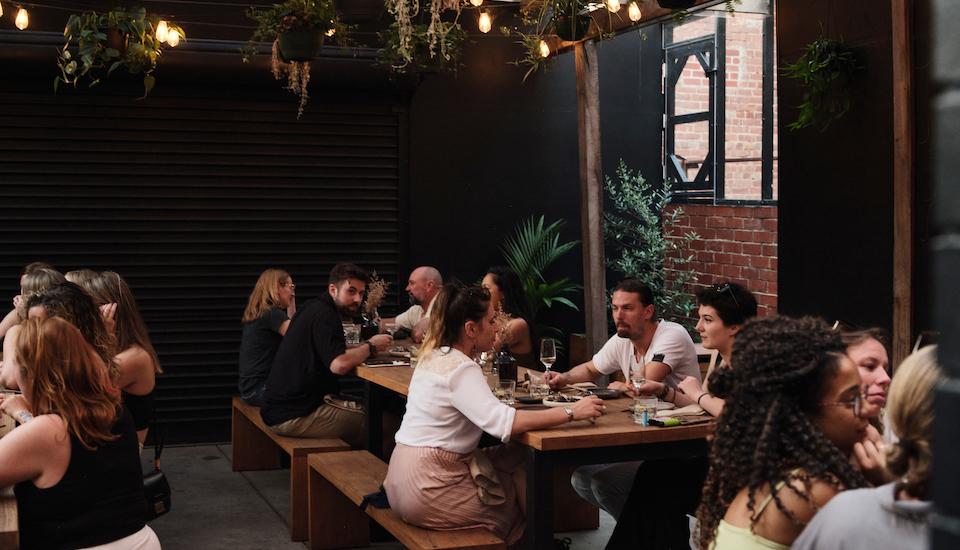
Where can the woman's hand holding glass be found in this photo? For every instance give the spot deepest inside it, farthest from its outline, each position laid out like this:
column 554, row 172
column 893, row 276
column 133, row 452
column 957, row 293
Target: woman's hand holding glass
column 588, row 408
column 555, row 380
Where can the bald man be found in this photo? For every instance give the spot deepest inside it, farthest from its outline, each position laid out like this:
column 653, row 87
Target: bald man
column 423, row 286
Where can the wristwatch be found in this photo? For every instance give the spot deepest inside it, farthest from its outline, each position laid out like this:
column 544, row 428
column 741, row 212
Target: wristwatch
column 569, row 412
column 372, row 348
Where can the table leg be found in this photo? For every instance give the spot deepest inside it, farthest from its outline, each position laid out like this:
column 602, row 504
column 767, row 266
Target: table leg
column 373, row 403
column 539, row 532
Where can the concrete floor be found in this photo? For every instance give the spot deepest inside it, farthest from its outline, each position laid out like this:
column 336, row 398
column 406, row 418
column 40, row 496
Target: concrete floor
column 215, row 508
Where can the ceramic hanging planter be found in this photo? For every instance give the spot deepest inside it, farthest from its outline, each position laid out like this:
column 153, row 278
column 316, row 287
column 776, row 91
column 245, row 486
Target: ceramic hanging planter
column 300, row 44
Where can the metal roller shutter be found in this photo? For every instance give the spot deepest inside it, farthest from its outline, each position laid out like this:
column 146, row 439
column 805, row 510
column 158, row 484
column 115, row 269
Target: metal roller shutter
column 190, row 198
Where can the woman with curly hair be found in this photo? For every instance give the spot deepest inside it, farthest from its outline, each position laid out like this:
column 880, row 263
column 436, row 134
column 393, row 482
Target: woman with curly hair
column 782, row 446
column 74, row 465
column 265, row 320
column 895, row 515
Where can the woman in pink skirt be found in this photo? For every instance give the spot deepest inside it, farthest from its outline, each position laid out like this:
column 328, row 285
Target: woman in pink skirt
column 437, row 478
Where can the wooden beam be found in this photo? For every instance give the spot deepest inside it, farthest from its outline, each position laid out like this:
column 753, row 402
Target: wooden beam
column 591, row 195
column 903, row 178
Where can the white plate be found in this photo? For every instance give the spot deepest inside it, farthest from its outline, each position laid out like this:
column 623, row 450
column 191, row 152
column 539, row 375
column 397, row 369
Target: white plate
column 400, row 353
column 550, row 403
column 665, row 405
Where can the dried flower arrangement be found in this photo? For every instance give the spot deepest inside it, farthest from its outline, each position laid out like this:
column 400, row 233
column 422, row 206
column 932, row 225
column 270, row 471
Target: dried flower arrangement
column 501, row 323
column 376, row 292
column 408, row 44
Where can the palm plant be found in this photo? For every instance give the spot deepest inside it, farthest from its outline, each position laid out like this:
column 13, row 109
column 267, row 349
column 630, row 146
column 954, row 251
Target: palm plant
column 532, row 248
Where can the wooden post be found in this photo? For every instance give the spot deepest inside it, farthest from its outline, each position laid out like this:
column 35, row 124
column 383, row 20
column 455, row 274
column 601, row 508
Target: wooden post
column 591, row 195
column 903, row 178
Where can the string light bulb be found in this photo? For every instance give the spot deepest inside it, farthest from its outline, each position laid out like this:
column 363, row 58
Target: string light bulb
column 330, row 32
column 162, row 32
column 544, row 49
column 613, row 6
column 173, row 38
column 634, row 12
column 476, row 3
column 484, row 24
column 1, row 10
column 23, row 19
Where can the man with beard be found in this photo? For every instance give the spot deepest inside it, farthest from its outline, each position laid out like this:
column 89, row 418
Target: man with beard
column 301, row 398
column 423, row 286
column 666, row 350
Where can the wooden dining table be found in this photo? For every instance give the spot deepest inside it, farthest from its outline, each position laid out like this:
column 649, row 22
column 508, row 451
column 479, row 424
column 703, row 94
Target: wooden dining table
column 614, row 437
column 9, row 521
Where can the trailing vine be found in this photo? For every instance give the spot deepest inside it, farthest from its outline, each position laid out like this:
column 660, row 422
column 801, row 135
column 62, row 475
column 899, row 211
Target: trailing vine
column 826, row 71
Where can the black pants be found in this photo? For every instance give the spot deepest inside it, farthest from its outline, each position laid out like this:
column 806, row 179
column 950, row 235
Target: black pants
column 655, row 515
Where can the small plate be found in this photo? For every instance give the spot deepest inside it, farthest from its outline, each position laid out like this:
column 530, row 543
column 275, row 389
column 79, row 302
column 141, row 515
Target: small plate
column 604, row 393
column 399, row 351
column 527, row 400
column 665, row 405
column 548, row 401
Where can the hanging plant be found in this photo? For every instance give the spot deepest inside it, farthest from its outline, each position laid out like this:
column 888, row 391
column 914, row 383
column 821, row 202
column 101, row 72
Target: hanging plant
column 436, row 32
column 97, row 44
column 297, row 30
column 444, row 58
column 826, row 71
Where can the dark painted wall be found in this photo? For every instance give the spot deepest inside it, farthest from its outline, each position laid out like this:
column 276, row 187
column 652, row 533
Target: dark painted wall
column 488, row 150
column 836, row 205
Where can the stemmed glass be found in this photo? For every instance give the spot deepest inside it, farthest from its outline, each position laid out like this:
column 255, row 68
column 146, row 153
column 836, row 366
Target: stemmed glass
column 638, row 376
column 391, row 328
column 548, row 352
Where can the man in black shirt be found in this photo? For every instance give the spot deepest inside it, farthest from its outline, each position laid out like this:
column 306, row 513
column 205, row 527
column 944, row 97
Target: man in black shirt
column 304, row 377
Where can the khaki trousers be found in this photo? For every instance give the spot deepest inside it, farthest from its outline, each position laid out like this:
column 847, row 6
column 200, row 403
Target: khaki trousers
column 332, row 419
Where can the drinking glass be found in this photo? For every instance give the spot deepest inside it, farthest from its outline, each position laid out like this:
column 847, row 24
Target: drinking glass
column 644, row 408
column 638, row 376
column 548, row 352
column 538, row 386
column 505, row 390
column 391, row 328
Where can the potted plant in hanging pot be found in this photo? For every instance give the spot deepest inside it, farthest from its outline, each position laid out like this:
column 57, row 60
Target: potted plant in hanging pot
column 297, row 29
column 570, row 23
column 445, row 57
column 97, row 44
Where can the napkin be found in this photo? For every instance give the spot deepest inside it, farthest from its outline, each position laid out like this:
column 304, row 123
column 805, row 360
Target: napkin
column 689, row 410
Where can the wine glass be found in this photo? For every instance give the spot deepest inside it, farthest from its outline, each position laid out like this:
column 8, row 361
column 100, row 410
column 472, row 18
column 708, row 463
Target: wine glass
column 548, row 352
column 391, row 328
column 638, row 376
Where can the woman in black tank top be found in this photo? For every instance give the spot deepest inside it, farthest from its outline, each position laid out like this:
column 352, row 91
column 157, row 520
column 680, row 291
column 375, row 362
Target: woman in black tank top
column 74, row 460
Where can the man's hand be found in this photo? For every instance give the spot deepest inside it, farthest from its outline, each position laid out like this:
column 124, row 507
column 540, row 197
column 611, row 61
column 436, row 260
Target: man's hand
column 381, row 341
column 588, row 408
column 555, row 379
column 650, row 387
column 870, row 457
column 626, row 389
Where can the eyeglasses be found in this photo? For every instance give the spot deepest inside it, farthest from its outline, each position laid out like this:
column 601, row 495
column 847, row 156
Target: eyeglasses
column 855, row 402
column 725, row 287
column 291, row 285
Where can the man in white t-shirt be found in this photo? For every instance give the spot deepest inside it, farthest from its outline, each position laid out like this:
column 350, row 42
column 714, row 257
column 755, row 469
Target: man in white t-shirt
column 423, row 286
column 666, row 352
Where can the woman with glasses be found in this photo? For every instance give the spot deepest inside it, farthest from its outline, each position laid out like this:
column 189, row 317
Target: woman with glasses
column 136, row 359
column 270, row 307
column 894, row 515
column 782, row 446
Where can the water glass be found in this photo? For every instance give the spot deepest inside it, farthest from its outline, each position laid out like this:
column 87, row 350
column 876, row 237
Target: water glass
column 538, row 386
column 493, row 379
column 644, row 408
column 351, row 333
column 505, row 390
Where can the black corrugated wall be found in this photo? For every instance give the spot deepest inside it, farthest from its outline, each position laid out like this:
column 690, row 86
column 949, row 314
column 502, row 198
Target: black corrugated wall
column 190, row 197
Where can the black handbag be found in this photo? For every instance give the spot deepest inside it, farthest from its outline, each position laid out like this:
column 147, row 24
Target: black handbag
column 156, row 488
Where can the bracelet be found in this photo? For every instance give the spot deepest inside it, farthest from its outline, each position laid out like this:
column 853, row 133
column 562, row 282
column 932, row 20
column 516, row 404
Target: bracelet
column 24, row 416
column 663, row 392
column 702, row 395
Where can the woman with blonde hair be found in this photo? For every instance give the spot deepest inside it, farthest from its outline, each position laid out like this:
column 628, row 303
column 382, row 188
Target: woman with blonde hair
column 265, row 320
column 75, row 465
column 36, row 283
column 894, row 515
column 136, row 359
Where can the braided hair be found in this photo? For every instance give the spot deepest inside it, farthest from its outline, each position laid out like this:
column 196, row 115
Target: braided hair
column 768, row 428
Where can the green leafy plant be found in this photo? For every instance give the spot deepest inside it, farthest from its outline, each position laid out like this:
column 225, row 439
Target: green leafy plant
column 826, row 70
column 97, row 44
column 445, row 58
column 635, row 223
column 317, row 18
column 530, row 251
column 681, row 14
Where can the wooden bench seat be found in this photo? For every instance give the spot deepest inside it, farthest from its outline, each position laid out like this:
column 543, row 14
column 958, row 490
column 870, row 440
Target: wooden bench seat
column 255, row 447
column 338, row 482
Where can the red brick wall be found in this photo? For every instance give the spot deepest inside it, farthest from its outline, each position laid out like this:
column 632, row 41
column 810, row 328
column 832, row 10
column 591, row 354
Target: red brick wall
column 737, row 244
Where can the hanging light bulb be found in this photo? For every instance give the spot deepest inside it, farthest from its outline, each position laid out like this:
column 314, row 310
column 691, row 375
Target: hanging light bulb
column 173, row 37
column 476, row 3
column 23, row 19
column 330, row 32
column 613, row 6
column 544, row 48
column 634, row 12
column 162, row 32
column 484, row 23
column 1, row 10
